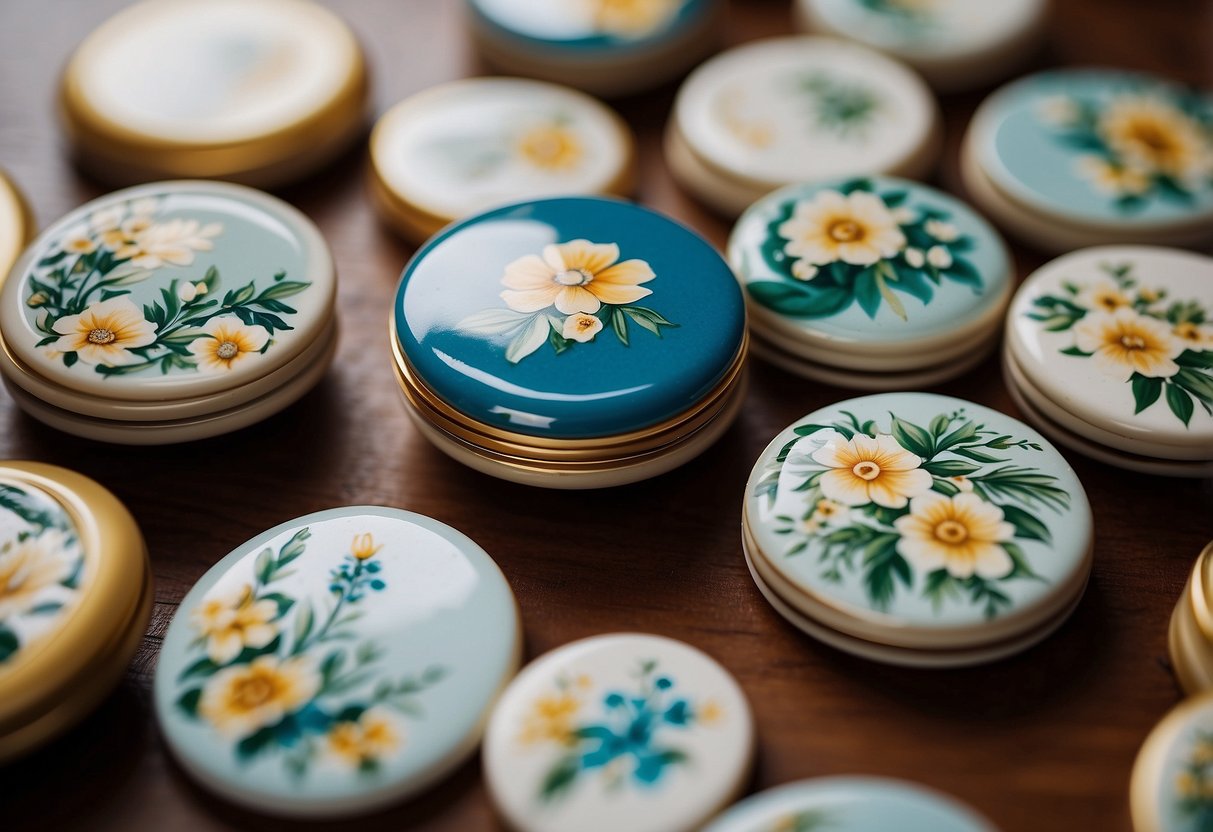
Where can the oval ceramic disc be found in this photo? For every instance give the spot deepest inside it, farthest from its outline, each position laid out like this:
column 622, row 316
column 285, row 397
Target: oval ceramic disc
column 1107, row 150
column 1122, row 338
column 570, row 318
column 1173, row 775
column 849, row 804
column 470, row 145
column 920, row 520
column 225, row 70
column 336, row 663
column 803, row 109
column 590, row 27
column 168, row 291
column 615, row 732
column 876, row 266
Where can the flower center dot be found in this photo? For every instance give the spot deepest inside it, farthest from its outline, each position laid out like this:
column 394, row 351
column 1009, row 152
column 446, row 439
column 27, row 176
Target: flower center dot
column 1133, row 342
column 227, row 351
column 952, row 532
column 846, row 231
column 573, row 277
column 251, row 693
column 1154, row 138
column 866, row 470
column 101, row 336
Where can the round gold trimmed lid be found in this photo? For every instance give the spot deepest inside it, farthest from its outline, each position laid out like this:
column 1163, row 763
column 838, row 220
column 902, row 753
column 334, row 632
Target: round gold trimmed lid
column 1172, row 782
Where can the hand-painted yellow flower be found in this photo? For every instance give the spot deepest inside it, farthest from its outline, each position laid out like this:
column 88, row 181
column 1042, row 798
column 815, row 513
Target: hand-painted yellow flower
column 243, row 698
column 581, row 327
column 550, row 147
column 373, row 737
column 363, row 547
column 78, row 240
column 1104, row 296
column 1125, row 342
column 1149, row 132
column 28, row 567
column 1117, row 180
column 550, row 720
column 105, row 332
column 232, row 621
column 1193, row 336
column 865, row 470
column 230, row 341
column 173, row 243
column 960, row 534
column 828, row 510
column 856, row 228
column 577, row 276
column 633, row 18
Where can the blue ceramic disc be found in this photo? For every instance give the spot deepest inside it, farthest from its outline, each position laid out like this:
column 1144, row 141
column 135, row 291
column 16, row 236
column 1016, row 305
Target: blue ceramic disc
column 336, row 663
column 590, row 29
column 569, row 318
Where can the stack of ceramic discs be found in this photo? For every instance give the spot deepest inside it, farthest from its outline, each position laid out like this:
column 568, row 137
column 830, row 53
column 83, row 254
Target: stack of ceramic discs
column 1190, row 636
column 1109, row 351
column 861, row 804
column 877, row 284
column 470, row 145
column 579, row 342
column 601, row 46
column 337, row 663
column 955, row 44
column 622, row 731
column 919, row 530
column 256, row 91
column 801, row 109
column 1172, row 785
column 1073, row 158
column 77, row 595
column 168, row 312
column 16, row 225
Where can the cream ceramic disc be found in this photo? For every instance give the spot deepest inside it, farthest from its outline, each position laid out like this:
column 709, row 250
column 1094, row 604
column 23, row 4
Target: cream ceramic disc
column 470, row 145
column 800, row 109
column 1172, row 785
column 616, row 732
column 1121, row 338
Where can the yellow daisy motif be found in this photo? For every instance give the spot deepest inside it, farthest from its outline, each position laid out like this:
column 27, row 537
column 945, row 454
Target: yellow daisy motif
column 856, row 228
column 577, row 276
column 230, row 341
column 105, row 333
column 29, row 567
column 232, row 621
column 1104, row 296
column 870, row 470
column 550, row 720
column 372, row 738
column 633, row 18
column 1125, row 342
column 241, row 699
column 960, row 534
column 78, row 240
column 1152, row 134
column 1193, row 336
column 581, row 327
column 550, row 147
column 828, row 510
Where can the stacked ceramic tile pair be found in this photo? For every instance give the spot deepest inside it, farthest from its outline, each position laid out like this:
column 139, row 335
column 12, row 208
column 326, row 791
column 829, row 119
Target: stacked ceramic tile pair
column 1190, row 636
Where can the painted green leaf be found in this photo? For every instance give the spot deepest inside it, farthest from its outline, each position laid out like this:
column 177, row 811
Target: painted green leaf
column 951, row 468
column 914, row 282
column 913, row 438
column 1180, row 402
column 9, row 643
column 533, row 336
column 494, row 322
column 263, row 566
column 202, row 667
column 1197, row 383
column 284, row 289
column 254, row 744
column 188, row 702
column 21, row 504
column 867, row 293
column 559, row 778
column 1076, row 352
column 619, row 324
column 962, row 271
column 1027, row 526
column 1145, row 391
column 799, row 301
column 1199, row 360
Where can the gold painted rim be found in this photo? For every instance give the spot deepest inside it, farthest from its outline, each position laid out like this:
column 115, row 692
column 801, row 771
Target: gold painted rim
column 1147, row 769
column 117, row 563
column 1200, row 590
column 14, row 206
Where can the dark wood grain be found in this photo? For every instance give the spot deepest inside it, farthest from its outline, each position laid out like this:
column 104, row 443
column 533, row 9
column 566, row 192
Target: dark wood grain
column 1041, row 742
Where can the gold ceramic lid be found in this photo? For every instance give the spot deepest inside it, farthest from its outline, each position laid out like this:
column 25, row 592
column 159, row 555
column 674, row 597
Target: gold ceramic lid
column 16, row 224
column 257, row 91
column 73, row 592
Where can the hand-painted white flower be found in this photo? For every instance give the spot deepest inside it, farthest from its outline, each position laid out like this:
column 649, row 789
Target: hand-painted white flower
column 1147, row 294
column 234, row 620
column 1116, row 180
column 802, row 270
column 1060, row 110
column 577, row 276
column 905, row 215
column 961, row 482
column 828, row 511
column 230, row 341
column 145, row 207
column 1195, row 337
column 945, row 232
column 1125, row 342
column 1152, row 134
column 29, row 567
column 961, row 534
column 372, row 738
column 915, row 258
column 1103, row 295
column 243, row 698
column 939, row 257
column 105, row 332
column 581, row 327
column 187, row 291
column 78, row 240
column 869, row 470
column 106, row 219
column 856, row 228
column 172, row 243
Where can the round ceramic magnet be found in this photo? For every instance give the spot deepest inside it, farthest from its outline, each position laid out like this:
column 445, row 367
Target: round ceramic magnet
column 850, row 804
column 620, row 731
column 16, row 225
column 75, row 597
column 336, row 663
column 1115, row 345
column 1083, row 157
column 605, row 47
column 919, row 521
column 800, row 109
column 1173, row 777
column 470, row 145
column 955, row 44
column 255, row 91
column 169, row 307
column 585, row 342
column 871, row 275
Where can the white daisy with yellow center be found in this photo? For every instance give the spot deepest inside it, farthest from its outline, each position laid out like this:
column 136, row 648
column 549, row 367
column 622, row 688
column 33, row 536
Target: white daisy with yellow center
column 153, row 245
column 105, row 332
column 961, row 534
column 856, row 228
column 1149, row 132
column 243, row 698
column 228, row 342
column 1116, row 180
column 1124, row 343
column 1194, row 336
column 866, row 470
column 577, row 276
column 232, row 621
column 1104, row 296
column 29, row 567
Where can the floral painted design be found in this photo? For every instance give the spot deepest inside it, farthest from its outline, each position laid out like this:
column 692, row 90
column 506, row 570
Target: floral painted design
column 567, row 296
column 80, row 292
column 41, row 568
column 810, row 821
column 289, row 676
column 1160, row 347
column 626, row 738
column 857, row 245
column 1138, row 145
column 551, row 146
column 548, row 143
column 1193, row 793
column 917, row 12
column 632, row 19
column 843, row 108
column 933, row 508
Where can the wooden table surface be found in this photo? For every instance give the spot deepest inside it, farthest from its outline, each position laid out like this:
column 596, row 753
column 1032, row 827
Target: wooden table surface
column 1041, row 742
